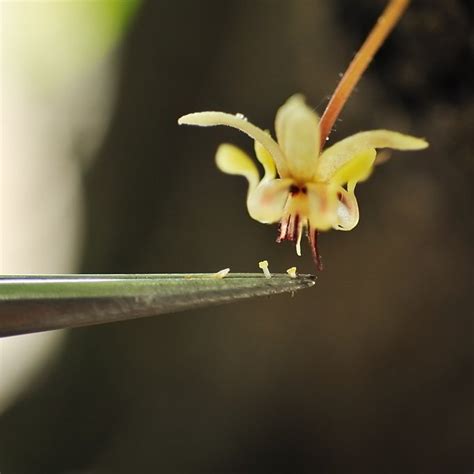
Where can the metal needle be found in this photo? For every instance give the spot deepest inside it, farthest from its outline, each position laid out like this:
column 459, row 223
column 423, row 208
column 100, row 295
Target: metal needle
column 34, row 303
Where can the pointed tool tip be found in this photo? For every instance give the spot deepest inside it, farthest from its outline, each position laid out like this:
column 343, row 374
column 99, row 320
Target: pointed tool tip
column 309, row 279
column 257, row 284
column 33, row 303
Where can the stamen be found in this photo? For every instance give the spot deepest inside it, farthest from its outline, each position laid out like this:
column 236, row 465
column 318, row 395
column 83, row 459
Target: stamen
column 294, row 219
column 313, row 241
column 291, row 227
column 292, row 272
column 283, row 229
column 264, row 266
column 298, row 241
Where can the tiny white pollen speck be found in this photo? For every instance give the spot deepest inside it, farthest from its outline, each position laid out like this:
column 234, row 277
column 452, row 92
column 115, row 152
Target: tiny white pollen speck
column 221, row 273
column 241, row 116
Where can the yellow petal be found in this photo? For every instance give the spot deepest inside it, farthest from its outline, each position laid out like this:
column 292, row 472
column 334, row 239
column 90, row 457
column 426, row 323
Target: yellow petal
column 266, row 160
column 210, row 119
column 355, row 170
column 297, row 132
column 347, row 211
column 267, row 202
column 322, row 206
column 336, row 156
column 233, row 160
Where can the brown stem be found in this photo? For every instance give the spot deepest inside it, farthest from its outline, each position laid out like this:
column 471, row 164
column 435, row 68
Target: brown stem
column 386, row 22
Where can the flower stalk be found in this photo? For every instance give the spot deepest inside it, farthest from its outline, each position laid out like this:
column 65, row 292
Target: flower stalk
column 385, row 24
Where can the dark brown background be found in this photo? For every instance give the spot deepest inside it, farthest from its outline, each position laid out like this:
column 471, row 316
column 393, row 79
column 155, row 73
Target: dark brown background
column 370, row 371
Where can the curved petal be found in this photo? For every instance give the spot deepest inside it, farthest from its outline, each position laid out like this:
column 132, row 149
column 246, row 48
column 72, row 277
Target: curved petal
column 210, row 119
column 297, row 130
column 322, row 206
column 347, row 210
column 266, row 161
column 267, row 202
column 341, row 152
column 356, row 169
column 232, row 160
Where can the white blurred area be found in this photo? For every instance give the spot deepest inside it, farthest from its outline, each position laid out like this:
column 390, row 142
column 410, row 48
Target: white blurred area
column 57, row 72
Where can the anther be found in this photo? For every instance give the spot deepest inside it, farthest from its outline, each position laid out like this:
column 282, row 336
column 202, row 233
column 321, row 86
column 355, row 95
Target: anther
column 294, row 189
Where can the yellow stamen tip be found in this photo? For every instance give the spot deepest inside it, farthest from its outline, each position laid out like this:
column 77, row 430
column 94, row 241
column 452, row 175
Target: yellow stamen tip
column 292, row 272
column 264, row 266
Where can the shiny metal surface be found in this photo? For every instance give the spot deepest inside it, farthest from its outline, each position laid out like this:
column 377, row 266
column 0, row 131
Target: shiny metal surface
column 35, row 303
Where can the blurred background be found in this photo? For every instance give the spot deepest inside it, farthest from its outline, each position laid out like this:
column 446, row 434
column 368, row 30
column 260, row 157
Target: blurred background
column 370, row 371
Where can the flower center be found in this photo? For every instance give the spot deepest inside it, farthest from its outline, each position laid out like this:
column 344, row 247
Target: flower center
column 295, row 190
column 296, row 219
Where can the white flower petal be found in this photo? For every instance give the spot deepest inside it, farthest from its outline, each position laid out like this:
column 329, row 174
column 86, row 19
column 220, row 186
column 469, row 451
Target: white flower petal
column 210, row 119
column 267, row 202
column 336, row 156
column 347, row 211
column 297, row 132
